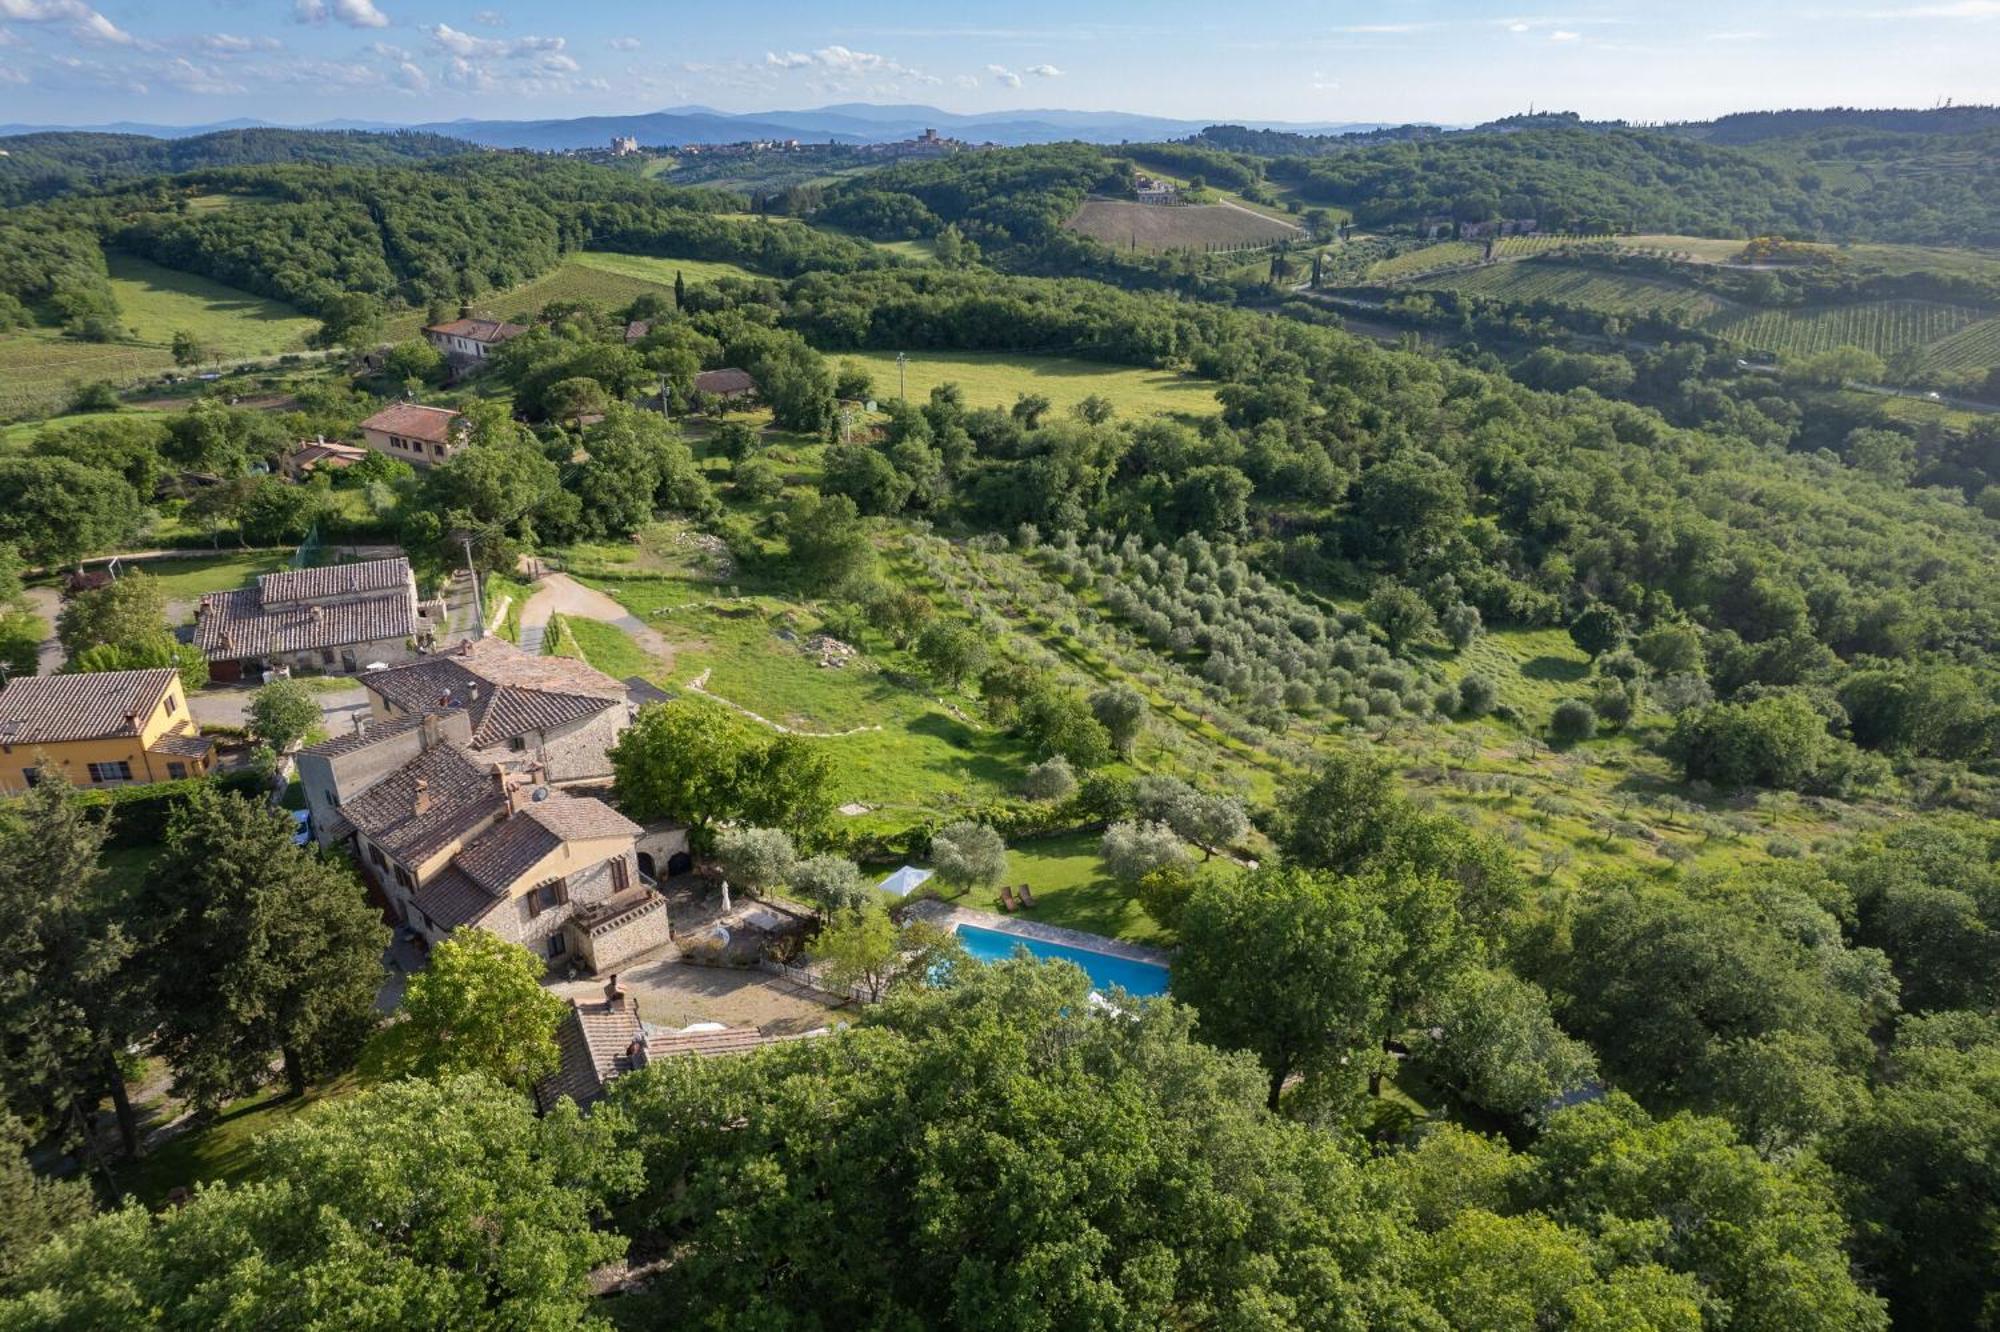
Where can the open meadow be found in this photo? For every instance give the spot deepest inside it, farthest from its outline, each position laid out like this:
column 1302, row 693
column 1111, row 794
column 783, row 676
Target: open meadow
column 995, row 379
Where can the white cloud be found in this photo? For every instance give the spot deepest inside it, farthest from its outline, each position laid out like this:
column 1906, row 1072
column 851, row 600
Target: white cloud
column 490, row 18
column 1382, row 28
column 410, row 78
column 1004, row 75
column 354, row 13
column 846, row 64
column 967, row 80
column 9, row 74
column 223, row 43
column 468, row 47
column 1517, row 26
column 85, row 23
column 1959, row 9
column 184, row 74
column 1734, row 36
column 1045, row 71
column 625, row 43
column 1559, row 35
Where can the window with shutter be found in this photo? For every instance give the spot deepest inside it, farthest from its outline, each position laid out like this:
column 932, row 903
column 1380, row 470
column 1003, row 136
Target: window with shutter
column 534, row 904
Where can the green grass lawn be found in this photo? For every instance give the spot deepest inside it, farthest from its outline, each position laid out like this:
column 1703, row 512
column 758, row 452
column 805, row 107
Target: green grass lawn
column 896, row 747
column 995, row 379
column 610, row 649
column 221, row 1150
column 156, row 302
column 186, row 579
column 40, row 370
column 22, row 433
column 1071, row 889
column 660, row 272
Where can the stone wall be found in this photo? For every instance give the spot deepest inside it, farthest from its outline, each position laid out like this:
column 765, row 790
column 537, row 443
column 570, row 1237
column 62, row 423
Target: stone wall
column 511, row 919
column 610, row 950
column 581, row 752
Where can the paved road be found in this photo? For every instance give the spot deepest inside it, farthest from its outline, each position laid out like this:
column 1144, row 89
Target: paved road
column 46, row 601
column 229, row 705
column 560, row 594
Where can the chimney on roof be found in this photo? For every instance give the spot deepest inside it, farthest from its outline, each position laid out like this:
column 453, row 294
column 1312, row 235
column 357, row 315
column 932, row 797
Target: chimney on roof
column 613, row 991
column 637, row 1054
column 317, row 614
column 429, row 732
column 132, row 720
column 421, row 803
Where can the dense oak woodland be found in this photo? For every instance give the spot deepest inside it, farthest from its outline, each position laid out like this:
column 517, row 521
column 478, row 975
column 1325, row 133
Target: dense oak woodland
column 1759, row 1095
column 39, row 166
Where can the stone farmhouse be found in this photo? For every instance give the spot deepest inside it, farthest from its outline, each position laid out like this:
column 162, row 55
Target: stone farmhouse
column 413, row 433
column 343, row 617
column 102, row 728
column 558, row 710
column 454, row 837
column 468, row 341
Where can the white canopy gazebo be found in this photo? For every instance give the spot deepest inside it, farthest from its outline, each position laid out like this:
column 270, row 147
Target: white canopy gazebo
column 905, row 881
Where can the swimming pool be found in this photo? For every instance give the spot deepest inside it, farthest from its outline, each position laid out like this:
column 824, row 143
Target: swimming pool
column 1139, row 979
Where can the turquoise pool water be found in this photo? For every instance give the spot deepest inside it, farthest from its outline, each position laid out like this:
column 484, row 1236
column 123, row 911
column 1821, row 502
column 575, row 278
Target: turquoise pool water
column 1140, row 979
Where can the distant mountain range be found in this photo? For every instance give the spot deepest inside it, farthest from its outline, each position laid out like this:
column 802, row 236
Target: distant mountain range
column 849, row 123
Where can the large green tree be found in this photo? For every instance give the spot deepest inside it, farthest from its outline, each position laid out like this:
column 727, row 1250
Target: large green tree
column 692, row 760
column 1311, row 971
column 478, row 1006
column 421, row 1204
column 259, row 949
column 70, row 1000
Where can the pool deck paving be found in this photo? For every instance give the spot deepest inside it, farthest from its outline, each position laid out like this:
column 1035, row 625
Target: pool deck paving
column 947, row 916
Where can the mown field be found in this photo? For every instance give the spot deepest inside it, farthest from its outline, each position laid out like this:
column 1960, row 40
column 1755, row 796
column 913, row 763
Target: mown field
column 600, row 277
column 40, row 371
column 1881, row 327
column 155, row 303
column 995, row 379
column 1127, row 225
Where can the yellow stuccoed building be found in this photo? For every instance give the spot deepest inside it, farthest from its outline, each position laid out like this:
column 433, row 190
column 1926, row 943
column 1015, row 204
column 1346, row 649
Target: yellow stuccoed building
column 102, row 729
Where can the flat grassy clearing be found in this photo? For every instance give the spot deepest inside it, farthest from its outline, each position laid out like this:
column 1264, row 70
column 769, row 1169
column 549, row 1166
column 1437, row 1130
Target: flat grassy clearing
column 610, row 649
column 1533, row 669
column 660, row 272
column 1696, row 249
column 155, row 303
column 916, row 251
column 1126, row 224
column 995, row 379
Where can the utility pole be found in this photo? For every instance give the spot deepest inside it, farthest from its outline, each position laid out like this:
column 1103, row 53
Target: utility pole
column 902, row 377
column 478, row 603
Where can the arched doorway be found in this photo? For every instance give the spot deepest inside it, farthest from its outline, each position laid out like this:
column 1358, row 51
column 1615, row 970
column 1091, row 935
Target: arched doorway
column 679, row 863
column 646, row 865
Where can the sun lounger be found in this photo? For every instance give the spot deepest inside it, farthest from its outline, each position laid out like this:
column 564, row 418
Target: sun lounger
column 1027, row 898
column 1006, row 898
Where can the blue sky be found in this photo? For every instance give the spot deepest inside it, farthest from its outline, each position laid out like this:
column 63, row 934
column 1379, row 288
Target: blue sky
column 298, row 61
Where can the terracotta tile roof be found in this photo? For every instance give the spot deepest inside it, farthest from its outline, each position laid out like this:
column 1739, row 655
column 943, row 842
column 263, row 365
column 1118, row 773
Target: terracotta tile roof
column 332, row 580
column 461, row 794
column 574, row 818
column 637, row 329
column 595, row 1040
column 500, row 857
column 433, row 425
column 315, row 451
column 37, row 708
column 478, row 330
column 452, row 899
column 508, row 692
column 183, row 744
column 232, row 625
column 724, row 382
column 374, row 731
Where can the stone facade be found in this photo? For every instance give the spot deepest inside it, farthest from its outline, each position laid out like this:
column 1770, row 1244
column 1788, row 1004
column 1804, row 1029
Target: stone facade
column 620, row 929
column 580, row 751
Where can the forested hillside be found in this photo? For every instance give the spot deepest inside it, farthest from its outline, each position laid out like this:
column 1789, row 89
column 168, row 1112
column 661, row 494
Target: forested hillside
column 39, row 166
